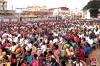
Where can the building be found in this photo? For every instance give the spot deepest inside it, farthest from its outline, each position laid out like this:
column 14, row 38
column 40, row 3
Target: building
column 32, row 11
column 86, row 14
column 77, row 14
column 3, row 9
column 41, row 12
column 3, row 5
column 61, row 11
column 5, row 14
column 58, row 13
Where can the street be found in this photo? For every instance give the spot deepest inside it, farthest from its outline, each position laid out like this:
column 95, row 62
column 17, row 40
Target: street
column 96, row 53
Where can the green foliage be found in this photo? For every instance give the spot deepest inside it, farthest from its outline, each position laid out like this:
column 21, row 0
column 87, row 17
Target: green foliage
column 95, row 4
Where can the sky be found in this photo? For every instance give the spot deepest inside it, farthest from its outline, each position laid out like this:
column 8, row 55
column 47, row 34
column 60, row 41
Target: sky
column 72, row 4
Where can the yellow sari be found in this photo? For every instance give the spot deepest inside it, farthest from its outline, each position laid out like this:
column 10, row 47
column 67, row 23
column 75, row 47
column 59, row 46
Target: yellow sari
column 8, row 63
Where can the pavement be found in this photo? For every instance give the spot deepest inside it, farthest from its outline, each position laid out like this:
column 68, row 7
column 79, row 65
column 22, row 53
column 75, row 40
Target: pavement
column 96, row 53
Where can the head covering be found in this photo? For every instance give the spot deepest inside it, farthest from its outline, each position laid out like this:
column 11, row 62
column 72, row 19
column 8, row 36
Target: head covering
column 19, row 50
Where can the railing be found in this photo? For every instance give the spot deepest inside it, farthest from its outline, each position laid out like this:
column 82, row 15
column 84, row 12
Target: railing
column 7, row 11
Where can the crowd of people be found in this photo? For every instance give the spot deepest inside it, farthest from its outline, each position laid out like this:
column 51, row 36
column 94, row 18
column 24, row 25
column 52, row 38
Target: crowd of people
column 48, row 43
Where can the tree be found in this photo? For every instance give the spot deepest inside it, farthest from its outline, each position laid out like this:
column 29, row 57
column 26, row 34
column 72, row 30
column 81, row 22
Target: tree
column 93, row 6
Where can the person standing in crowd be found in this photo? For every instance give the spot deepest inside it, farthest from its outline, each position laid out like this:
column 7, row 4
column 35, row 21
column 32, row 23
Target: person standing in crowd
column 35, row 61
column 13, row 60
column 48, row 43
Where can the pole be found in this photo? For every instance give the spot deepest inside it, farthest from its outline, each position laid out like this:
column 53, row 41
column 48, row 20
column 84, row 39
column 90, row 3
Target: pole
column 19, row 14
column 19, row 17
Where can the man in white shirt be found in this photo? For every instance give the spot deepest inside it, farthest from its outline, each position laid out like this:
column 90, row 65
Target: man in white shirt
column 5, row 34
column 29, row 46
column 43, row 48
column 26, row 41
column 90, row 41
column 15, row 39
column 10, row 37
column 55, row 40
column 13, row 47
column 78, row 63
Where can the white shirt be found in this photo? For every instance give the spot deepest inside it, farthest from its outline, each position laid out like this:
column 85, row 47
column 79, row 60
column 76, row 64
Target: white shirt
column 21, row 40
column 60, row 39
column 10, row 39
column 0, row 39
column 45, row 40
column 79, row 64
column 80, row 36
column 40, row 44
column 26, row 41
column 90, row 41
column 43, row 48
column 13, row 48
column 97, row 32
column 19, row 35
column 55, row 34
column 28, row 47
column 55, row 40
column 5, row 35
column 15, row 39
column 3, row 41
